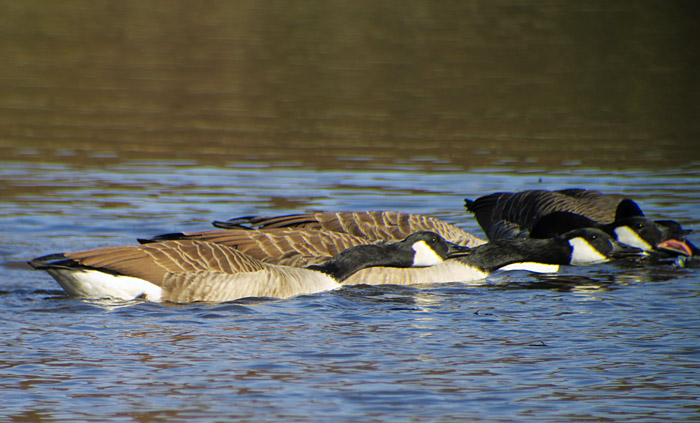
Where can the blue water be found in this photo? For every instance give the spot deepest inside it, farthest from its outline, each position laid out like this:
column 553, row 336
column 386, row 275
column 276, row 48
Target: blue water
column 608, row 342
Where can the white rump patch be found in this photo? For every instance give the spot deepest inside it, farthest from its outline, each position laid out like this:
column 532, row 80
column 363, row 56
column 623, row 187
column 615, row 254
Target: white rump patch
column 584, row 253
column 532, row 267
column 629, row 237
column 425, row 256
column 96, row 284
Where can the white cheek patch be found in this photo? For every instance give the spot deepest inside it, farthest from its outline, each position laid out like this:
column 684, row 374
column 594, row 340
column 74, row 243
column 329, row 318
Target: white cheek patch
column 425, row 256
column 629, row 237
column 96, row 284
column 583, row 253
column 532, row 267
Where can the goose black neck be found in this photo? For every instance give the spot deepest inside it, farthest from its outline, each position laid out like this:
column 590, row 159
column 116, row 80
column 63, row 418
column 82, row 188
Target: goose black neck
column 343, row 265
column 608, row 228
column 494, row 255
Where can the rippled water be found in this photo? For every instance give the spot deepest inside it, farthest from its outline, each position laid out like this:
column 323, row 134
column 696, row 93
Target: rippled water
column 128, row 119
column 602, row 342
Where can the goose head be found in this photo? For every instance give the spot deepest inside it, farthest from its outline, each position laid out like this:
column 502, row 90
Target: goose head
column 666, row 237
column 591, row 246
column 582, row 246
column 674, row 239
column 630, row 227
column 420, row 249
column 428, row 249
column 633, row 228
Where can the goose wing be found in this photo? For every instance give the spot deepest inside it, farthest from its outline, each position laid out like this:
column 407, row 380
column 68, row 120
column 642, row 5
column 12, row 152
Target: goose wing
column 290, row 247
column 374, row 226
column 519, row 211
column 152, row 262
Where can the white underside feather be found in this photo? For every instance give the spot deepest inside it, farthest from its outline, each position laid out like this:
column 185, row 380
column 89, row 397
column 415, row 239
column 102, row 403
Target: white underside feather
column 532, row 267
column 96, row 284
column 273, row 281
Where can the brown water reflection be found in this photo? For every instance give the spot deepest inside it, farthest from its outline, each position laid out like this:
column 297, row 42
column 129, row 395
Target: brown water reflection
column 352, row 84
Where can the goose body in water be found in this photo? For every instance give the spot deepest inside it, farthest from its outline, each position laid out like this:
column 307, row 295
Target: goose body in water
column 184, row 271
column 543, row 214
column 579, row 247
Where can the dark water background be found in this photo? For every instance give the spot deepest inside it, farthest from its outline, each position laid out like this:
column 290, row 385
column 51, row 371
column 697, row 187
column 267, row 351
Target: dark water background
column 129, row 119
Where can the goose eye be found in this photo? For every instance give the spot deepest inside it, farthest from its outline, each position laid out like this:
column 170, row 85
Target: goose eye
column 594, row 236
column 639, row 226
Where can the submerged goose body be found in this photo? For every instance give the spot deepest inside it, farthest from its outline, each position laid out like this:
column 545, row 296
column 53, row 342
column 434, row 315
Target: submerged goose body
column 373, row 226
column 543, row 214
column 185, row 271
column 579, row 247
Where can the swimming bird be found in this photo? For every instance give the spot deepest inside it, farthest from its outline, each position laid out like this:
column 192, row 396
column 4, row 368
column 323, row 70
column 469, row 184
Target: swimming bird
column 578, row 247
column 374, row 226
column 184, row 271
column 283, row 245
column 542, row 214
column 661, row 236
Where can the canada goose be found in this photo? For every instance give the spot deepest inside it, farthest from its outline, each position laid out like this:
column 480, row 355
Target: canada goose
column 186, row 271
column 291, row 246
column 542, row 214
column 650, row 236
column 578, row 247
column 374, row 226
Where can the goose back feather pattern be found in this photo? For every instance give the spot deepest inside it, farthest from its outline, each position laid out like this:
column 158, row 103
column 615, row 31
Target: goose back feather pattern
column 507, row 214
column 282, row 246
column 375, row 226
